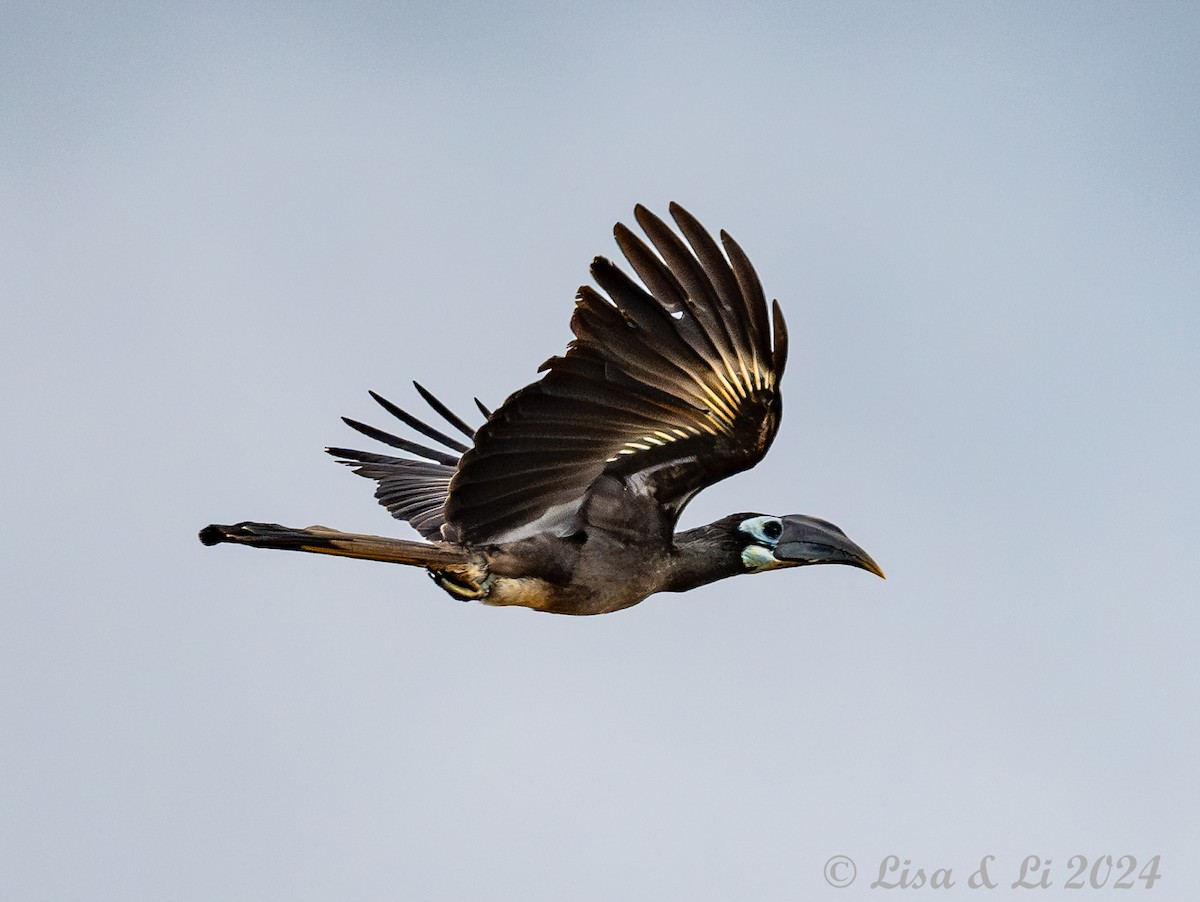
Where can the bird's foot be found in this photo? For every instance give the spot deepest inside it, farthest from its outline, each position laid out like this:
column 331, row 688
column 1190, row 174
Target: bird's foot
column 464, row 585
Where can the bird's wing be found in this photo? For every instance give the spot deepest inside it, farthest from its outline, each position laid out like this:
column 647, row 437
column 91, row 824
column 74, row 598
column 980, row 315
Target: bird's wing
column 412, row 490
column 668, row 388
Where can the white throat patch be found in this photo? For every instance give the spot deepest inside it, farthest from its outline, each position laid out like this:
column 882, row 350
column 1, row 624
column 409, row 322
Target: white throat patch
column 756, row 558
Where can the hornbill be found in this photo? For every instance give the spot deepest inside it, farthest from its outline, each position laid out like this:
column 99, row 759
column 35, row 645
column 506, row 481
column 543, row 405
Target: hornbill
column 566, row 498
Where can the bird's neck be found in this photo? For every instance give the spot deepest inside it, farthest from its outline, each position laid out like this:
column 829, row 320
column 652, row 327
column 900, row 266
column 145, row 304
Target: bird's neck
column 702, row 556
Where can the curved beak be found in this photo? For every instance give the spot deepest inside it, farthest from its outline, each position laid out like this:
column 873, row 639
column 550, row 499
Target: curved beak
column 808, row 540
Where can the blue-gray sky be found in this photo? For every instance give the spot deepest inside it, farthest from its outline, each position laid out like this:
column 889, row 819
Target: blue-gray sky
column 221, row 226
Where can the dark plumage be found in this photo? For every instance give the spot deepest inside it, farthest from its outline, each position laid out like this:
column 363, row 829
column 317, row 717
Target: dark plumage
column 566, row 498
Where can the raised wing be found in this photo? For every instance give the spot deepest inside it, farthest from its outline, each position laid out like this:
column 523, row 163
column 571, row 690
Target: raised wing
column 668, row 388
column 412, row 490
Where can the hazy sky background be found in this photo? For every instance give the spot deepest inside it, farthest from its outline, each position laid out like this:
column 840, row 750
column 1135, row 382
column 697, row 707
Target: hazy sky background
column 222, row 225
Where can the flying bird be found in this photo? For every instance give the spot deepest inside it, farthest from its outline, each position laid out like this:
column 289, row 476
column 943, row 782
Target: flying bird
column 567, row 497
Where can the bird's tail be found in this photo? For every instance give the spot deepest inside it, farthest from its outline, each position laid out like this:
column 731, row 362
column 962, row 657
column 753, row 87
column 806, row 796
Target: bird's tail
column 462, row 574
column 322, row 540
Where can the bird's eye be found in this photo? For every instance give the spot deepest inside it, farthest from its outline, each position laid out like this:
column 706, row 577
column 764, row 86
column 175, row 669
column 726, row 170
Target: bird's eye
column 765, row 530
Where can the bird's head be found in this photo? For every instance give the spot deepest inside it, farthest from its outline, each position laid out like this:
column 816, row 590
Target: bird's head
column 796, row 540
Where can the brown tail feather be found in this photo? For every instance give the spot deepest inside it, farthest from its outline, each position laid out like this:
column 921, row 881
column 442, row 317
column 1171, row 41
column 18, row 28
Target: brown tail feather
column 322, row 540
